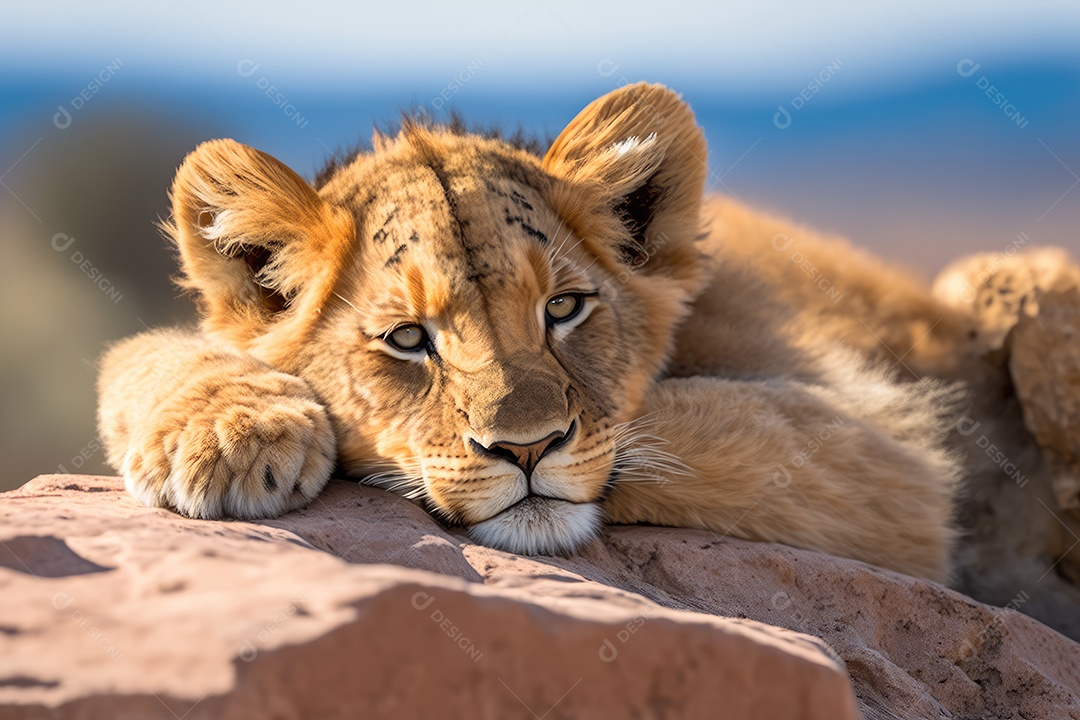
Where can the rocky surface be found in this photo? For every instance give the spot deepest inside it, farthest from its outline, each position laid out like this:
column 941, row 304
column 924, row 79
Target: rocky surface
column 114, row 610
column 1045, row 368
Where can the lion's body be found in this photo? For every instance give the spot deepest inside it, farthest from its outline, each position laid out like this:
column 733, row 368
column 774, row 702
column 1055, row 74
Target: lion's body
column 703, row 378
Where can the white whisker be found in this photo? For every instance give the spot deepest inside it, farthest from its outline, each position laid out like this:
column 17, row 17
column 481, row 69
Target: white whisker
column 641, row 457
column 556, row 244
column 342, row 299
column 407, row 481
column 562, row 258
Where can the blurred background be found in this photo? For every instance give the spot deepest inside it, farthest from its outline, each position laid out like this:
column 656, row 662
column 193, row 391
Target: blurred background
column 921, row 130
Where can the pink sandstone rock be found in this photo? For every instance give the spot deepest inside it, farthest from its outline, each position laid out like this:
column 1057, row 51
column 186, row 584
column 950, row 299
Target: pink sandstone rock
column 114, row 610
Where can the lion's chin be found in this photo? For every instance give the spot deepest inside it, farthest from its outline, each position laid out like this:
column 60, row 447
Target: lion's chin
column 539, row 526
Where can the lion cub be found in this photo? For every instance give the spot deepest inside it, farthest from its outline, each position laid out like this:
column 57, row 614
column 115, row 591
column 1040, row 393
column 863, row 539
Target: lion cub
column 529, row 345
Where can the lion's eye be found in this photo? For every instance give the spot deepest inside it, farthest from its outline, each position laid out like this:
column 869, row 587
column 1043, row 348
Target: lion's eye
column 407, row 338
column 563, row 307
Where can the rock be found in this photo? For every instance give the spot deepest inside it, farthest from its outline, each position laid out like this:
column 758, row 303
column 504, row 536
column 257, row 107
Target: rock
column 114, row 610
column 1045, row 368
column 1026, row 306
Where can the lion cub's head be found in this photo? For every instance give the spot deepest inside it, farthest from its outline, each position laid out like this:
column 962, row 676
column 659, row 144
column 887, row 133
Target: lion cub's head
column 478, row 321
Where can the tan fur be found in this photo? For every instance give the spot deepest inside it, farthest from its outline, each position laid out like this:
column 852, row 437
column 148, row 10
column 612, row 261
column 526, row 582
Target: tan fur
column 709, row 386
column 211, row 432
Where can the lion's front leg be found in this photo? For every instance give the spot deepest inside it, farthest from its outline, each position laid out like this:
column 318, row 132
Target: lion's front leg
column 211, row 433
column 779, row 461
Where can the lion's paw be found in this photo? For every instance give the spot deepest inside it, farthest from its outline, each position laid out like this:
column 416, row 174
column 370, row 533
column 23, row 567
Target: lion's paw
column 250, row 446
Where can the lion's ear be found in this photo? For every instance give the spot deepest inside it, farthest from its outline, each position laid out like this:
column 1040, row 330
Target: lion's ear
column 255, row 240
column 641, row 152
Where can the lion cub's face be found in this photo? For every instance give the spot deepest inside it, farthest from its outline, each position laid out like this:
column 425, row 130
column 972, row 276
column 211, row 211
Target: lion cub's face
column 478, row 321
column 476, row 345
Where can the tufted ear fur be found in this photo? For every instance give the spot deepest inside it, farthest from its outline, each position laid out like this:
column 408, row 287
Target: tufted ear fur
column 256, row 242
column 638, row 151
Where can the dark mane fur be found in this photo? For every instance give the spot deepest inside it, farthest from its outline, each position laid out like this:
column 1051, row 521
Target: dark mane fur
column 418, row 118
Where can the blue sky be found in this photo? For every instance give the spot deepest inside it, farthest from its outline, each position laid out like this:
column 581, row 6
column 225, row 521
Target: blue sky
column 748, row 47
column 894, row 147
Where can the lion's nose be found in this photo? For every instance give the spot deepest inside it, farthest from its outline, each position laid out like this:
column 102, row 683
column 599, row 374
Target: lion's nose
column 526, row 455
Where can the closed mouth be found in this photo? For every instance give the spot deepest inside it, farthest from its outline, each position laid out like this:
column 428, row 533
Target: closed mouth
column 539, row 525
column 532, row 500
